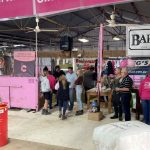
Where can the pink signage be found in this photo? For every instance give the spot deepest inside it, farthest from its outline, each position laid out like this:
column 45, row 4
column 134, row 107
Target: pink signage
column 91, row 3
column 16, row 8
column 25, row 8
column 55, row 6
column 51, row 6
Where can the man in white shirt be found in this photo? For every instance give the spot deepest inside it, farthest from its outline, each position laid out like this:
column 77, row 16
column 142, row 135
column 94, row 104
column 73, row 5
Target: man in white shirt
column 71, row 78
column 45, row 89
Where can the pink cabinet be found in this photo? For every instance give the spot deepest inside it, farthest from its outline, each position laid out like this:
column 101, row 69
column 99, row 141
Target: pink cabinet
column 20, row 92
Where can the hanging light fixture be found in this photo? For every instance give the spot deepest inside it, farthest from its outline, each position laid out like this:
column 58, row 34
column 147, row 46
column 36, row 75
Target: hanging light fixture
column 83, row 40
column 116, row 38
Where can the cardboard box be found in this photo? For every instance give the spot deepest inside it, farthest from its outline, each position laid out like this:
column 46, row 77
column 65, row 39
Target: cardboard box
column 95, row 116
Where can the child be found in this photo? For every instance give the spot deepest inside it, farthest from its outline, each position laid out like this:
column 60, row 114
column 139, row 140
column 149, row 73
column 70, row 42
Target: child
column 45, row 89
column 62, row 88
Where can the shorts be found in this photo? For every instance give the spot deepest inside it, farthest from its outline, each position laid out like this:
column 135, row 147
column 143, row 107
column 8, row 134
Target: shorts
column 46, row 95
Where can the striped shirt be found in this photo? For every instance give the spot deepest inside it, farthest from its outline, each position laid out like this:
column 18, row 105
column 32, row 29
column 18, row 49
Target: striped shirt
column 126, row 82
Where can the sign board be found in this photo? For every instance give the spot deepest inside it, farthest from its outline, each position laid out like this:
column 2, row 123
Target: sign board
column 138, row 41
column 56, row 6
column 24, row 64
column 52, row 6
column 25, row 8
column 16, row 8
column 85, row 63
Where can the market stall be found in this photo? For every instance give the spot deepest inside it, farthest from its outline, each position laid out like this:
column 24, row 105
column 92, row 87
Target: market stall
column 21, row 90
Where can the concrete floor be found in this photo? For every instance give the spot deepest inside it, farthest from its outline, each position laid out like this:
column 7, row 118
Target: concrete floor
column 75, row 132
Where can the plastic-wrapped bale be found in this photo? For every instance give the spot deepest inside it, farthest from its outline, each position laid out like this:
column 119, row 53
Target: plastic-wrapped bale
column 132, row 135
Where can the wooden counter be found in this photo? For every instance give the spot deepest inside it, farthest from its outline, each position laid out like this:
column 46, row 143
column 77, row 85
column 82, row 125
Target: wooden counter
column 92, row 93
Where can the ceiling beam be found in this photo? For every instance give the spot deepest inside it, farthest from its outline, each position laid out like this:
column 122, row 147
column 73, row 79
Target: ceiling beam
column 136, row 11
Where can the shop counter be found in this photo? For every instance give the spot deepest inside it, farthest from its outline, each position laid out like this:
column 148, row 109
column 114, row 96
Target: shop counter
column 93, row 93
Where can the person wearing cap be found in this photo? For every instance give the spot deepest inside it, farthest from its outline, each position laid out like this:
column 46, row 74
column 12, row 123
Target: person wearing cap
column 144, row 93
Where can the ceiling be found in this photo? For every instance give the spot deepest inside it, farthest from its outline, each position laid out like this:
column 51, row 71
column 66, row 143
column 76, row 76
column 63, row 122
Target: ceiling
column 82, row 23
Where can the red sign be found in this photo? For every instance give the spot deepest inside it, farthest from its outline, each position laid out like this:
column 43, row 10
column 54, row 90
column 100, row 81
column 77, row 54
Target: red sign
column 16, row 8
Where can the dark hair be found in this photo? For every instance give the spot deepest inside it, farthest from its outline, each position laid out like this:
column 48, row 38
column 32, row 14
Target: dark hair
column 45, row 68
column 70, row 68
column 57, row 67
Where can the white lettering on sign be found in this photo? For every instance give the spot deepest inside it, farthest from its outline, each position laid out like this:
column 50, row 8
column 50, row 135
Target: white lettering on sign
column 5, row 1
column 44, row 1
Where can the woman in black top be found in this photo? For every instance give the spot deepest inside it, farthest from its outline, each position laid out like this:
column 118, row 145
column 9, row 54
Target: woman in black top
column 125, row 94
column 115, row 95
column 62, row 88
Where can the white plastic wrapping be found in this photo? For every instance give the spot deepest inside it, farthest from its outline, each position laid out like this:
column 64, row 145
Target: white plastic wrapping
column 132, row 135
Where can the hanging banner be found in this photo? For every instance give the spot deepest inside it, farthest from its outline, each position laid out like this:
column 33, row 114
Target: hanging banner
column 56, row 6
column 16, row 8
column 102, row 2
column 52, row 6
column 85, row 63
column 24, row 64
column 138, row 41
column 25, row 8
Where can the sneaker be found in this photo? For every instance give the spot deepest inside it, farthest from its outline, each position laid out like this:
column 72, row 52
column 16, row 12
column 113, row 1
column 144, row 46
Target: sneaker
column 60, row 115
column 120, row 118
column 46, row 112
column 114, row 117
column 43, row 111
column 64, row 117
column 80, row 112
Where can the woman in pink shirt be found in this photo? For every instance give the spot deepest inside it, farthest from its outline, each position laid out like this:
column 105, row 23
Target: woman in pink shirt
column 144, row 92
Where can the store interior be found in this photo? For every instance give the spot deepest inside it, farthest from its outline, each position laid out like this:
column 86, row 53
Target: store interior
column 95, row 32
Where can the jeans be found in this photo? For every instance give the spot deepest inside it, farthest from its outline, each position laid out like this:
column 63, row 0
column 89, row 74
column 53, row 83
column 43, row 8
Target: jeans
column 116, row 101
column 78, row 96
column 63, row 106
column 125, row 102
column 71, row 91
column 146, row 111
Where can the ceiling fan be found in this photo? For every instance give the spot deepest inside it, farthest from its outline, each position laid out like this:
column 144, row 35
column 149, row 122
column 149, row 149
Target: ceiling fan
column 112, row 21
column 37, row 29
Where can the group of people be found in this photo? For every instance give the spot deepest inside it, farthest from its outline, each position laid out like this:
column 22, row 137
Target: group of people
column 64, row 85
column 121, row 85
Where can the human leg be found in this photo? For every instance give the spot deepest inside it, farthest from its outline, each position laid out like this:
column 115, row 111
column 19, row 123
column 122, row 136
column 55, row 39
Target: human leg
column 50, row 100
column 65, row 105
column 126, row 98
column 78, row 96
column 148, row 101
column 145, row 111
column 71, row 90
column 120, row 107
column 115, row 99
column 60, row 108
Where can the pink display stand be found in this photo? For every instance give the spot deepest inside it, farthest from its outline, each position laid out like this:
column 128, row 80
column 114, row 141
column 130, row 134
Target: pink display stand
column 19, row 92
